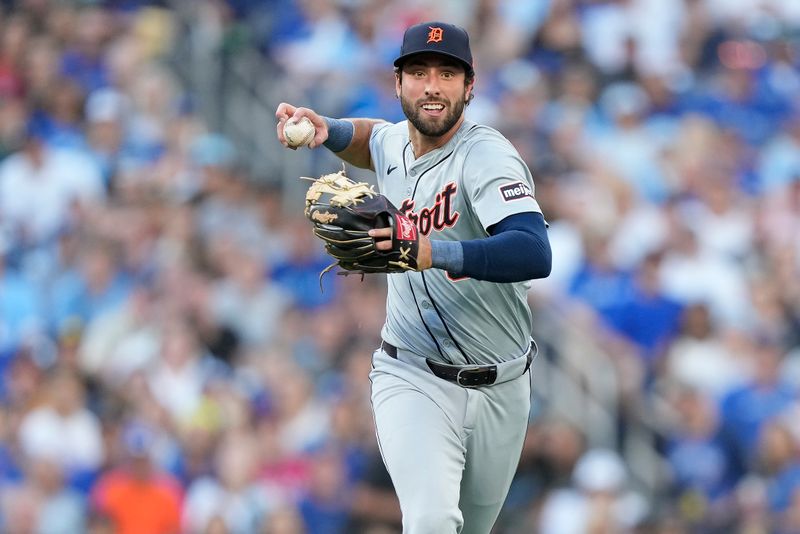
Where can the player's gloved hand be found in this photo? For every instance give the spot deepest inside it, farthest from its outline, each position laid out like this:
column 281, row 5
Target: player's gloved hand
column 344, row 212
column 383, row 242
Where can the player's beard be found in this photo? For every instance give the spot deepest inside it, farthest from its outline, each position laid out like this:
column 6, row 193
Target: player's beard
column 433, row 126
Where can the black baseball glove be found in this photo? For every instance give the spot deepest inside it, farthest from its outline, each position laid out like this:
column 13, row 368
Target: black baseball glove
column 343, row 211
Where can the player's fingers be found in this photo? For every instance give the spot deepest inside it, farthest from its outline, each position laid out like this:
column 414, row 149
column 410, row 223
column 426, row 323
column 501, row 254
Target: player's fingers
column 382, row 238
column 281, row 138
column 315, row 119
column 384, row 244
column 320, row 136
column 284, row 111
column 380, row 233
column 320, row 126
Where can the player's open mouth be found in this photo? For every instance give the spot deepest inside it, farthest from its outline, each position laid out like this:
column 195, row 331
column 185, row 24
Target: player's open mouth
column 433, row 108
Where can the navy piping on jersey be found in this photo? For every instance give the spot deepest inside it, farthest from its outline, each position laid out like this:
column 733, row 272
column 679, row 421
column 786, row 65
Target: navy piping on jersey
column 447, row 328
column 405, row 167
column 438, row 348
column 423, row 173
column 425, row 284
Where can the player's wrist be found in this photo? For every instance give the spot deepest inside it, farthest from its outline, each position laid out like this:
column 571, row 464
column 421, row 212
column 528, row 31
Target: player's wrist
column 340, row 134
column 423, row 253
column 447, row 255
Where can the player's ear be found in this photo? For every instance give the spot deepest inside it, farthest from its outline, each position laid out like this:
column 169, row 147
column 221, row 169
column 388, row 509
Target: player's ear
column 397, row 79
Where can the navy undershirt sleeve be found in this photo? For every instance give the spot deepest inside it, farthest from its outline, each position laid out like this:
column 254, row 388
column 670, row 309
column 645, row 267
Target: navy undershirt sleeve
column 340, row 134
column 516, row 250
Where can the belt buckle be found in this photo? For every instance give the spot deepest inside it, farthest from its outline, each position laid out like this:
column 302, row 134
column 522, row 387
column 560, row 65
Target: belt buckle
column 473, row 369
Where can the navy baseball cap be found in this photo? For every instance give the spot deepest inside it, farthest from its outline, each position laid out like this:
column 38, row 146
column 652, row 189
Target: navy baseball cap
column 439, row 38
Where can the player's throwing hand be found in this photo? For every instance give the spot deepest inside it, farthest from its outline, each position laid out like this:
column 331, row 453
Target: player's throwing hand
column 285, row 112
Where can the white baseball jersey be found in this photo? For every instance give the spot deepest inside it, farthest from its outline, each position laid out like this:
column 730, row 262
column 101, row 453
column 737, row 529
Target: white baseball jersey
column 455, row 192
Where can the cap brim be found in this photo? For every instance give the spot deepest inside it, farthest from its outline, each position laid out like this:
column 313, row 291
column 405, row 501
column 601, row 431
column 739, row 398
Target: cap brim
column 402, row 59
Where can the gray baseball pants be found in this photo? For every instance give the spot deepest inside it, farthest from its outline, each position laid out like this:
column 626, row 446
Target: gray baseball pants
column 451, row 451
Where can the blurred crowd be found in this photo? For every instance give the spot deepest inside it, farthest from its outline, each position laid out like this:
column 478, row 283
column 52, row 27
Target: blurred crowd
column 171, row 362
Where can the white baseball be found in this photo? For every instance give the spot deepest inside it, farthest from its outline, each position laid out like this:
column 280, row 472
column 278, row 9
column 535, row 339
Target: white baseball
column 298, row 133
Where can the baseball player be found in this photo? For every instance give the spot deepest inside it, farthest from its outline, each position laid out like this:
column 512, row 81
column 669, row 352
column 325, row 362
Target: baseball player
column 450, row 383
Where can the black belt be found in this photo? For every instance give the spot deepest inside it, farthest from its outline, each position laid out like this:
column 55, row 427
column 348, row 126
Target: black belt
column 466, row 376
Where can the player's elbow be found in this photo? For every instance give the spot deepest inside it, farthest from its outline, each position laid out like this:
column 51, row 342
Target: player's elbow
column 540, row 259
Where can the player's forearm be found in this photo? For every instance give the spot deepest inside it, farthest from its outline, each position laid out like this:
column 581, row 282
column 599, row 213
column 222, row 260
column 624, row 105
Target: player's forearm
column 349, row 140
column 519, row 250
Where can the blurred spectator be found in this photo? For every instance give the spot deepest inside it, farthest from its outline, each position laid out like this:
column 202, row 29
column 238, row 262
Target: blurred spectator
column 62, row 115
column 282, row 470
column 779, row 460
column 135, row 495
column 244, row 299
column 648, row 318
column 21, row 307
column 324, row 504
column 299, row 273
column 779, row 163
column 700, row 360
column 84, row 61
column 94, row 285
column 623, row 144
column 181, row 372
column 42, row 189
column 691, row 274
column 64, row 430
column 747, row 409
column 558, row 40
column 233, row 495
column 41, row 67
column 285, row 520
column 16, row 32
column 320, row 40
column 122, row 340
column 549, row 455
column 724, row 227
column 373, row 504
column 106, row 118
column 599, row 283
column 703, row 467
column 740, row 100
column 598, row 502
column 789, row 520
column 42, row 504
column 10, row 468
column 302, row 418
column 626, row 38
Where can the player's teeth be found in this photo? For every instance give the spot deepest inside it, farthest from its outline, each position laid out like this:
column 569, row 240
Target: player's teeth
column 433, row 106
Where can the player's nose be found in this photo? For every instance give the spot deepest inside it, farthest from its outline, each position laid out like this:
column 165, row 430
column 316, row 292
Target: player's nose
column 432, row 86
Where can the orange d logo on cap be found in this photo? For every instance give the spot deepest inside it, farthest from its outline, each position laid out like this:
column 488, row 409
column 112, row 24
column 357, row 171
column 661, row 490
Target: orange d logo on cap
column 435, row 35
column 429, row 37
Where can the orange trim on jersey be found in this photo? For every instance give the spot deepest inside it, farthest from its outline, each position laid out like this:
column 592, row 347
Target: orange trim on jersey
column 456, row 278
